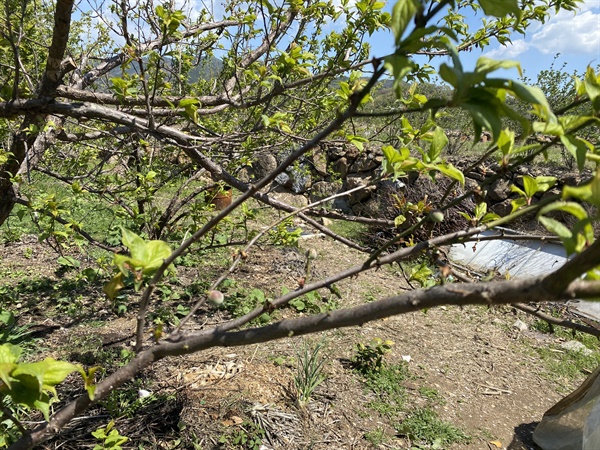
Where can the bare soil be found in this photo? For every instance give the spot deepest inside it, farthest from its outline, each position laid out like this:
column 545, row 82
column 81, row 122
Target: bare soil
column 490, row 380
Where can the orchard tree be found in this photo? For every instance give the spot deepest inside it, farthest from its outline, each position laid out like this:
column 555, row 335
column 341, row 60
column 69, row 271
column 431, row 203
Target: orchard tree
column 145, row 109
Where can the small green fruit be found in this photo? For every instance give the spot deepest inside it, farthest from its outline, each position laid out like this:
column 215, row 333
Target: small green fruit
column 216, row 297
column 436, row 216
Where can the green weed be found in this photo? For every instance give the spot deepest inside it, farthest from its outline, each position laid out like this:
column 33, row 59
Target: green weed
column 387, row 384
column 376, row 437
column 567, row 366
column 109, row 437
column 369, row 357
column 285, row 234
column 424, row 426
column 248, row 436
column 10, row 332
column 309, row 372
column 350, row 230
column 431, row 394
column 127, row 402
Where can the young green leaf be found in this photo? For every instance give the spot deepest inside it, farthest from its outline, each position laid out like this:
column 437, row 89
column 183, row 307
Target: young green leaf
column 589, row 192
column 530, row 185
column 578, row 147
column 402, row 13
column 500, row 8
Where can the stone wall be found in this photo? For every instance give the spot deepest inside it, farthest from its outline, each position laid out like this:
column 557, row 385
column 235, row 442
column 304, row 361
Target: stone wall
column 335, row 168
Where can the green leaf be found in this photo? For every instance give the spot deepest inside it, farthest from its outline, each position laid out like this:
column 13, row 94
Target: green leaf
column 397, row 161
column 500, row 8
column 486, row 65
column 506, row 141
column 155, row 252
column 438, row 143
column 114, row 286
column 399, row 66
column 402, row 13
column 480, row 210
column 7, row 318
column 145, row 256
column 519, row 202
column 185, row 102
column 589, row 192
column 573, row 243
column 399, row 220
column 592, row 87
column 88, row 379
column 268, row 5
column 357, row 141
column 68, row 261
column 530, row 186
column 556, row 227
column 485, row 116
column 517, row 190
column 577, row 147
column 490, row 217
column 450, row 75
column 465, row 215
column 452, row 172
column 56, row 371
column 534, row 96
column 420, row 274
column 575, row 209
column 9, row 353
column 130, row 239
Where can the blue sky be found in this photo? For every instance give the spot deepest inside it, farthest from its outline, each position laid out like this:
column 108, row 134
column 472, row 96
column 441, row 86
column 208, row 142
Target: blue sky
column 575, row 36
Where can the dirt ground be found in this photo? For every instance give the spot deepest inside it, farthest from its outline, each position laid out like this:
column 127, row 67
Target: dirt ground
column 491, row 381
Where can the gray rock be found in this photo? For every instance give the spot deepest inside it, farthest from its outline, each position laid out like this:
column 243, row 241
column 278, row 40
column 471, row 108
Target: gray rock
column 284, row 180
column 340, row 167
column 336, row 151
column 244, row 174
column 354, row 181
column 552, row 192
column 519, row 182
column 298, row 201
column 502, row 209
column 475, row 176
column 351, row 152
column 263, row 165
column 341, row 204
column 520, row 325
column 323, row 189
column 364, row 163
column 499, row 190
column 300, row 179
column 576, row 346
column 319, row 161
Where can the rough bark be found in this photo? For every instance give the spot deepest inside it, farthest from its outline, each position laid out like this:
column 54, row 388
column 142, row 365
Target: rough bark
column 31, row 140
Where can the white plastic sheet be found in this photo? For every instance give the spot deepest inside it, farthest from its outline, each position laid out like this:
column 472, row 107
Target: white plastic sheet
column 574, row 422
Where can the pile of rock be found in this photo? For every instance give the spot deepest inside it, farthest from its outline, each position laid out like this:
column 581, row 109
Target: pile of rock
column 334, row 168
column 498, row 194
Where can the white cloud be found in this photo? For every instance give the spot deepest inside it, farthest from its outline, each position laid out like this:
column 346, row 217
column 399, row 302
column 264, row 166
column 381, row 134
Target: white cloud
column 571, row 33
column 509, row 51
column 588, row 5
